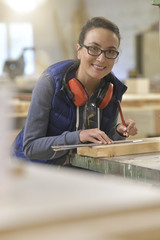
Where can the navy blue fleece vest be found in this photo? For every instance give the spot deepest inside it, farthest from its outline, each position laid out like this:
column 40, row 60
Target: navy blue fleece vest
column 63, row 112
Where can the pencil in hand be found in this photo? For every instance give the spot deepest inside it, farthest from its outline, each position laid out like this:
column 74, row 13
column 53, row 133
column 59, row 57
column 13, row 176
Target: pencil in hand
column 122, row 118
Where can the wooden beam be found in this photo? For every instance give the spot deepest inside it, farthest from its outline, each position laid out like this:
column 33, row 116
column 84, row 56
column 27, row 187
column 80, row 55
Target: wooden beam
column 148, row 145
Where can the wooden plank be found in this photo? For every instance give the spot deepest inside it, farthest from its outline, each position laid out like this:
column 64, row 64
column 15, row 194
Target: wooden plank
column 138, row 85
column 157, row 121
column 141, row 100
column 151, row 62
column 148, row 145
column 19, row 106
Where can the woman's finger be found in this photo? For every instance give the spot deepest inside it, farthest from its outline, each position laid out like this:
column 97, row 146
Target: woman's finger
column 94, row 135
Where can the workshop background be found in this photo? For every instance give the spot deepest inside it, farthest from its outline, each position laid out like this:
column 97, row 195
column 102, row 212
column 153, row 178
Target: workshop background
column 52, row 28
column 119, row 197
column 36, row 34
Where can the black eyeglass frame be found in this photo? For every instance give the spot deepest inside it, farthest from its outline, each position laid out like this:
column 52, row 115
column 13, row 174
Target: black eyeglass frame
column 101, row 51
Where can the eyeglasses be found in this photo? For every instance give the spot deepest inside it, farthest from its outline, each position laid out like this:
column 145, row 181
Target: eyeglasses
column 95, row 51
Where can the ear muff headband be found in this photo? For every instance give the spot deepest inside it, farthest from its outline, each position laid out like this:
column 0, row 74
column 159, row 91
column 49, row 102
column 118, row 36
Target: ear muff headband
column 79, row 92
column 108, row 96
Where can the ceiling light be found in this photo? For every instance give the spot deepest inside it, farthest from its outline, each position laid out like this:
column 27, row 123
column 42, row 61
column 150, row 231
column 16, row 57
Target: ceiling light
column 23, row 5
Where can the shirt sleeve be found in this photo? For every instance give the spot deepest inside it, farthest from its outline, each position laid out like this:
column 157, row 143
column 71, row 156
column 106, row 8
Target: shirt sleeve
column 36, row 144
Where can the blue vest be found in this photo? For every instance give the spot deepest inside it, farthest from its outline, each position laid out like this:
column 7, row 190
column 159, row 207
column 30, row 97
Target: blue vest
column 63, row 111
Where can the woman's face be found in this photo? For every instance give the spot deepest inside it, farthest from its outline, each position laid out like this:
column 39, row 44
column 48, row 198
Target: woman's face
column 96, row 67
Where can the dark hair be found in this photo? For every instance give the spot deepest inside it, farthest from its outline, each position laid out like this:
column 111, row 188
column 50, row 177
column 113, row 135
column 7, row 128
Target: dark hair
column 98, row 22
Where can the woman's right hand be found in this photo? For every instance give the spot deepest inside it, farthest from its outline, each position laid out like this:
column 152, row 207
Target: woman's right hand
column 94, row 135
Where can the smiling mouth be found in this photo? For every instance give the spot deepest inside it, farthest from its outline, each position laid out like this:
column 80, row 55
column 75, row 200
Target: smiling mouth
column 99, row 68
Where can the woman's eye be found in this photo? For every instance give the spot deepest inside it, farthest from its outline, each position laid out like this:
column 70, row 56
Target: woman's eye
column 95, row 49
column 111, row 51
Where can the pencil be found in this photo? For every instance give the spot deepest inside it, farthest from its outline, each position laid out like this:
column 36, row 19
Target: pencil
column 121, row 114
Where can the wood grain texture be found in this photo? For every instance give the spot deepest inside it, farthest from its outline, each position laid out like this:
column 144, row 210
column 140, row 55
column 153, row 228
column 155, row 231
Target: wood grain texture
column 148, row 145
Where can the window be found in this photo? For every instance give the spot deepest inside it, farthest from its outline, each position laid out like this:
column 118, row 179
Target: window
column 17, row 39
column 3, row 45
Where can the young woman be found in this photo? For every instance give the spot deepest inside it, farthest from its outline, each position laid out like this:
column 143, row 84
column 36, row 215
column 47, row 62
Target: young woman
column 75, row 101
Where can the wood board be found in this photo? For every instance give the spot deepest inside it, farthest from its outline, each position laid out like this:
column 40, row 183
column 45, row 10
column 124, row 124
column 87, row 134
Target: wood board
column 147, row 145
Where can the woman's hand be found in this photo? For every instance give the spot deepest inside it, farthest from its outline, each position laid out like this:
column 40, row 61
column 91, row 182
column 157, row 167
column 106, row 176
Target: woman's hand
column 94, row 135
column 130, row 128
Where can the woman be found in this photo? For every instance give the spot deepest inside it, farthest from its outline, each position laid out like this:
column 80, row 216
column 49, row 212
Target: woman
column 75, row 101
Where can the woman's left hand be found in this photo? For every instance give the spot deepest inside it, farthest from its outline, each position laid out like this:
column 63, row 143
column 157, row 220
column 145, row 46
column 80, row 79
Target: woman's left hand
column 129, row 129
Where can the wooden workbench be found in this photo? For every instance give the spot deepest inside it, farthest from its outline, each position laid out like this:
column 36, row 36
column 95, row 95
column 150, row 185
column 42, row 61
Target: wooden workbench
column 139, row 160
column 139, row 167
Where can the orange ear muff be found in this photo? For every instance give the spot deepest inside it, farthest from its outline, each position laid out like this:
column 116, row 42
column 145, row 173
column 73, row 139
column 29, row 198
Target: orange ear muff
column 79, row 92
column 108, row 96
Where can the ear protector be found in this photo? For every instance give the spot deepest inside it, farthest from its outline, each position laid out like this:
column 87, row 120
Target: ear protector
column 79, row 96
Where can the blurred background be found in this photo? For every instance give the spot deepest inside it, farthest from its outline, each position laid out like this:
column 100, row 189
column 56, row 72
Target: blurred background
column 37, row 202
column 36, row 34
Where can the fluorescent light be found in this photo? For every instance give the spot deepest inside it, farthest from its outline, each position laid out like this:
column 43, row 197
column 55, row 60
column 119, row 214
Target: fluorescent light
column 23, row 5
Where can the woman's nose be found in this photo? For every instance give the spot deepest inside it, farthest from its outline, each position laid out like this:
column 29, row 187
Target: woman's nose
column 101, row 57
